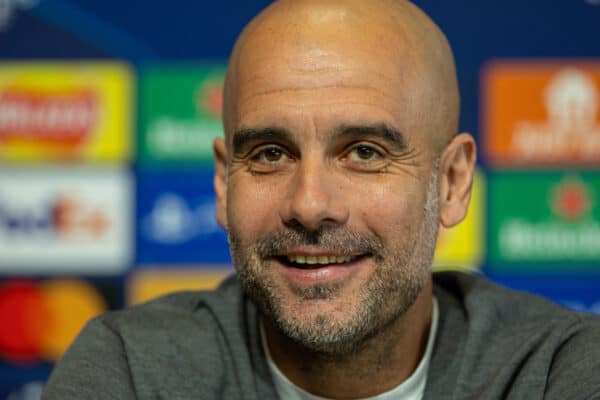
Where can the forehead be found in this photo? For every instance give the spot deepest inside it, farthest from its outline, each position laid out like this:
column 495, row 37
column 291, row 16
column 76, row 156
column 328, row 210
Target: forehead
column 319, row 111
column 326, row 74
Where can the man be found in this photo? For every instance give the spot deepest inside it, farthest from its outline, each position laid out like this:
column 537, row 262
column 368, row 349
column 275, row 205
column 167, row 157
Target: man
column 340, row 160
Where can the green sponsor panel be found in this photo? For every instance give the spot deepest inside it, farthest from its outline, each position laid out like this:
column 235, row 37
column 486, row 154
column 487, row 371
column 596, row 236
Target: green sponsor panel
column 544, row 221
column 180, row 112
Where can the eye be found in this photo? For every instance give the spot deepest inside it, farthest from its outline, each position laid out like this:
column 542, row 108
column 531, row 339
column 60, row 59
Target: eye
column 365, row 157
column 269, row 155
column 269, row 158
column 362, row 153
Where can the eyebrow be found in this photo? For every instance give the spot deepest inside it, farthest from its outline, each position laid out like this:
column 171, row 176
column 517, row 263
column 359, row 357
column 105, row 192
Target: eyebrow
column 242, row 138
column 381, row 131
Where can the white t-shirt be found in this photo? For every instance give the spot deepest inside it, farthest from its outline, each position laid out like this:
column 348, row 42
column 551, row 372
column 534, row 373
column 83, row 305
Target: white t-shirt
column 410, row 389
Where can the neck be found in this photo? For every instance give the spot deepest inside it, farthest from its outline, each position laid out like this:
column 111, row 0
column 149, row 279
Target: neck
column 382, row 363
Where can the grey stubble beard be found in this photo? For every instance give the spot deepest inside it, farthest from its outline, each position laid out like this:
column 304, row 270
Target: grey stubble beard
column 402, row 270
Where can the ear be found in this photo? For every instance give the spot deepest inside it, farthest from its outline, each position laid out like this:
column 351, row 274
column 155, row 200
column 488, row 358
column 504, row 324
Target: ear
column 220, row 180
column 456, row 170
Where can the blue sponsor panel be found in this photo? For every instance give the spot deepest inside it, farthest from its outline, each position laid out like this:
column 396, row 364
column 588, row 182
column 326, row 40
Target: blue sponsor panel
column 176, row 221
column 581, row 293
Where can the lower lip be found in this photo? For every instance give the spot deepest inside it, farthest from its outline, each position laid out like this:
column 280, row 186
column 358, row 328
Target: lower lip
column 325, row 274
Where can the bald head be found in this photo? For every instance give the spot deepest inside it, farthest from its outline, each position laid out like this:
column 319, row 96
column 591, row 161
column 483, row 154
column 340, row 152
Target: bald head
column 336, row 113
column 389, row 46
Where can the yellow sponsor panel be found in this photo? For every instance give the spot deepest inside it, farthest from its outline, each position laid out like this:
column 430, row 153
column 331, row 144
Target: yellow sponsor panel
column 69, row 111
column 462, row 247
column 147, row 284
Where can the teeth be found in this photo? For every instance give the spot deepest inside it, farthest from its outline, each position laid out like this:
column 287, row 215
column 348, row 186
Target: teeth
column 319, row 259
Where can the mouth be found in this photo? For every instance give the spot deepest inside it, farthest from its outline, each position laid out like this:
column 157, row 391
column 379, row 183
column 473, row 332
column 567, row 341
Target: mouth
column 304, row 269
column 303, row 261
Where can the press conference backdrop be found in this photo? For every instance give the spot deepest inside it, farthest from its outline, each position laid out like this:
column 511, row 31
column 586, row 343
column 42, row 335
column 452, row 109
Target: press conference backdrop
column 107, row 115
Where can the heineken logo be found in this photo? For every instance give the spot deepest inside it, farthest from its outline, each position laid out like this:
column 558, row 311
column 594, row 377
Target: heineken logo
column 545, row 217
column 182, row 125
column 571, row 199
column 173, row 137
column 210, row 98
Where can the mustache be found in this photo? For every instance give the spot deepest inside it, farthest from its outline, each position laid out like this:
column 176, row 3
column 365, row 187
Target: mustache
column 340, row 240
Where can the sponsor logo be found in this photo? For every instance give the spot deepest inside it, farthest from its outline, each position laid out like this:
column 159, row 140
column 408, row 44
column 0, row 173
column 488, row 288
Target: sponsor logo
column 64, row 220
column 49, row 118
column 174, row 221
column 210, row 97
column 181, row 126
column 52, row 111
column 64, row 217
column 541, row 114
column 148, row 283
column 566, row 229
column 172, row 138
column 177, row 219
column 520, row 239
column 40, row 319
column 462, row 247
column 571, row 199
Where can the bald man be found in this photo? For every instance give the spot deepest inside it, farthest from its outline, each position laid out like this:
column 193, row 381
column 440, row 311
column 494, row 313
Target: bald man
column 340, row 160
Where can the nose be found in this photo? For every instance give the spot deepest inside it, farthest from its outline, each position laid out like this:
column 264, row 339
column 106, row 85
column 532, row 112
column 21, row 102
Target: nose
column 315, row 198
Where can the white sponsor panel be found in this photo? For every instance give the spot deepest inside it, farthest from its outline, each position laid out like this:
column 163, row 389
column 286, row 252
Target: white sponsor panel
column 65, row 220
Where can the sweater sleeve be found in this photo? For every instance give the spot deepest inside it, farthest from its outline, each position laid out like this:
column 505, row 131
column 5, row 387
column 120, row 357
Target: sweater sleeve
column 575, row 370
column 94, row 367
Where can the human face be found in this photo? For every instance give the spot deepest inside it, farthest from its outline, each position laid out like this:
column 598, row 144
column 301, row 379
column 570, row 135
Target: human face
column 332, row 200
column 297, row 296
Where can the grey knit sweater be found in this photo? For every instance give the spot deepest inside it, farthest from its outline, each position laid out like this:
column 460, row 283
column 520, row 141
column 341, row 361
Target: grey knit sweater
column 492, row 343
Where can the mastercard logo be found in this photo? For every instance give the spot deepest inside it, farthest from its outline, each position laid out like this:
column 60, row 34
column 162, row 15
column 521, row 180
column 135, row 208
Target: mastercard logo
column 40, row 319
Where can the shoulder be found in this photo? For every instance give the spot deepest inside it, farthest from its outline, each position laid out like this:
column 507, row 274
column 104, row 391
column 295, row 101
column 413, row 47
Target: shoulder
column 494, row 341
column 193, row 322
column 507, row 314
column 174, row 345
column 177, row 311
column 479, row 297
column 575, row 368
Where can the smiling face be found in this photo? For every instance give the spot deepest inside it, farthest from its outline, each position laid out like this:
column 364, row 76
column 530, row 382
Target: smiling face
column 332, row 287
column 332, row 200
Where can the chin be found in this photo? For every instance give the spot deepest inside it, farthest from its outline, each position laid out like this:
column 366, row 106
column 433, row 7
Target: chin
column 330, row 327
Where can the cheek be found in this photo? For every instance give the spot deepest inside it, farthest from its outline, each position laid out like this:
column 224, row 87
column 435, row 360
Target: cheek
column 251, row 207
column 391, row 209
